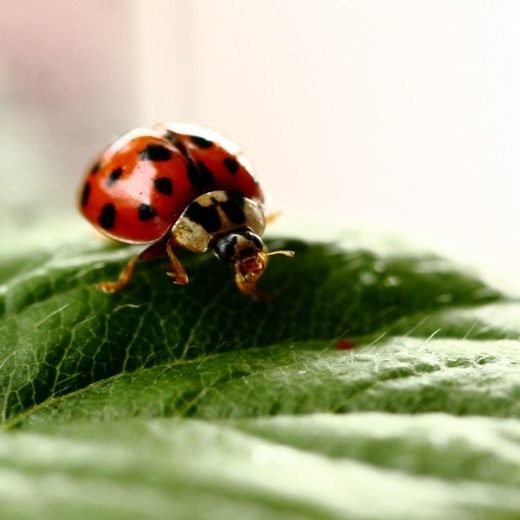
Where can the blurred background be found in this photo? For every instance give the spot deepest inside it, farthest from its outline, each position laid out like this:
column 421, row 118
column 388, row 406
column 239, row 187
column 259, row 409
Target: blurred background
column 398, row 116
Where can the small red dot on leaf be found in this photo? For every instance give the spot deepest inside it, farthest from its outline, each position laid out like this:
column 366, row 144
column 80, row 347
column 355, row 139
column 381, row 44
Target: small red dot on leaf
column 345, row 344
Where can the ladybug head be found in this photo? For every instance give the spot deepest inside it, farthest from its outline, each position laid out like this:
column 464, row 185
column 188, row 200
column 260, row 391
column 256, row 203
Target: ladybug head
column 247, row 253
column 245, row 250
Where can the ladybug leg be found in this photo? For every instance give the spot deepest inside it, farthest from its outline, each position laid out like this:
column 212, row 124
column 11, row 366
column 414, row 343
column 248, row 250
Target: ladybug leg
column 272, row 217
column 156, row 250
column 177, row 271
column 123, row 279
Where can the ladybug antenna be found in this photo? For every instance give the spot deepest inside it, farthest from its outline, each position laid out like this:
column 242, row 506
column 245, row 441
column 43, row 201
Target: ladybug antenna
column 284, row 252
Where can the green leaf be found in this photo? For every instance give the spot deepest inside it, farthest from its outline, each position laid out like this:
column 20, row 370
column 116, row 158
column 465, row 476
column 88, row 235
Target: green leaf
column 195, row 402
column 319, row 466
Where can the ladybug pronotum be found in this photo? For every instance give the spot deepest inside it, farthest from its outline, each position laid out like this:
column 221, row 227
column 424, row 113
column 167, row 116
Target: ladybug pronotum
column 179, row 186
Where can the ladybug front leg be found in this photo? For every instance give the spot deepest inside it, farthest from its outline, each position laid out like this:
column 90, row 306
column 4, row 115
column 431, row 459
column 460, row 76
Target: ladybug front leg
column 177, row 271
column 272, row 217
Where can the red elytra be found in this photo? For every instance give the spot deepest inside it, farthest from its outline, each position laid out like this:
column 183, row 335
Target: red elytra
column 212, row 152
column 141, row 184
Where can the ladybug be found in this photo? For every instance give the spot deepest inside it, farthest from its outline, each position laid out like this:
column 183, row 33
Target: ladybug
column 179, row 186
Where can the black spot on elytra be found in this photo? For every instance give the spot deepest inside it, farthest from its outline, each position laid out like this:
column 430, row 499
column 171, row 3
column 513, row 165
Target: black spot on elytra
column 95, row 168
column 163, row 185
column 193, row 174
column 233, row 208
column 206, row 176
column 176, row 141
column 85, row 194
column 206, row 216
column 145, row 212
column 114, row 176
column 155, row 152
column 107, row 216
column 201, row 142
column 201, row 177
column 232, row 165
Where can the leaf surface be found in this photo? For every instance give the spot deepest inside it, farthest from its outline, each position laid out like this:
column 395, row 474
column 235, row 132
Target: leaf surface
column 197, row 402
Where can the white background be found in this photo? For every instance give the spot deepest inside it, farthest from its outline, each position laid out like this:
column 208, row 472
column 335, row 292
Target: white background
column 400, row 115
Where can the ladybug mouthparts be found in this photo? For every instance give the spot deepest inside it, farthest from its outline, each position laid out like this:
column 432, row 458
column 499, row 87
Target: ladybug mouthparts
column 248, row 271
column 251, row 268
